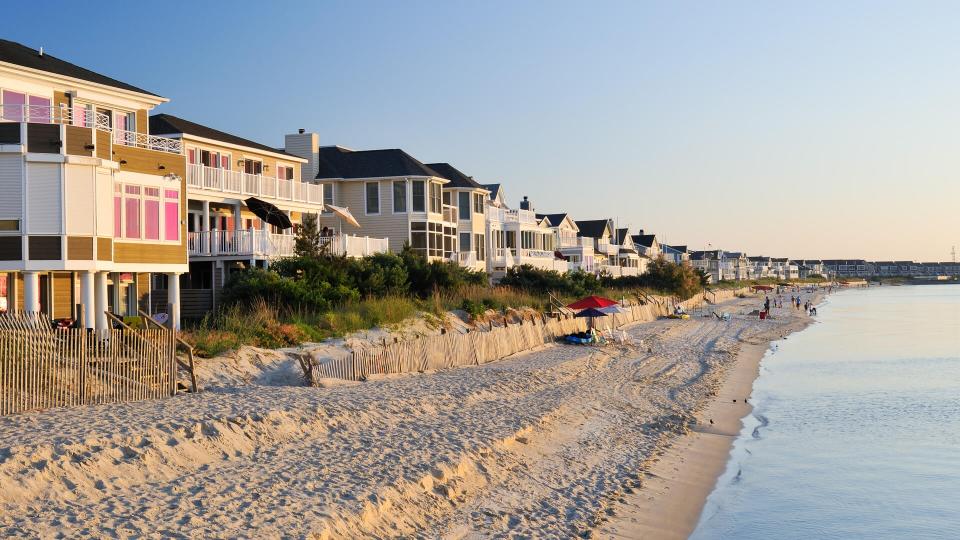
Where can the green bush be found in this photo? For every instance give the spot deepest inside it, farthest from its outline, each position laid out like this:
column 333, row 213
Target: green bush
column 536, row 280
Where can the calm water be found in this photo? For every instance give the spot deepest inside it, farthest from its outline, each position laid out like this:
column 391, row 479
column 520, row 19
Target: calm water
column 856, row 426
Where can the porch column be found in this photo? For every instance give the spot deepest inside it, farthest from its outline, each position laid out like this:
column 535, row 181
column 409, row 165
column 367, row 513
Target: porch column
column 173, row 298
column 31, row 291
column 100, row 300
column 237, row 221
column 205, row 236
column 88, row 300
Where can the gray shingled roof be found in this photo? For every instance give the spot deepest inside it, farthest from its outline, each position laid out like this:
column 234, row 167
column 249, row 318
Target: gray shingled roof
column 339, row 162
column 457, row 179
column 21, row 55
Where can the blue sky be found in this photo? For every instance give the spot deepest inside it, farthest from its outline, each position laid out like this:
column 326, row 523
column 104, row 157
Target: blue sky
column 814, row 129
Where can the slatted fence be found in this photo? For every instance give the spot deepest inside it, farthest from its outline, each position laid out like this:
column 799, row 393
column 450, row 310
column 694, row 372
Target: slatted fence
column 42, row 368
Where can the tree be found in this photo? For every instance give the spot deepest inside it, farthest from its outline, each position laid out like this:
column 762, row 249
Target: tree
column 307, row 242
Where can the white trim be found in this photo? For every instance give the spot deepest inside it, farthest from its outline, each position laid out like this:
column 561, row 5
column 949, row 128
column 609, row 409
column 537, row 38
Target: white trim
column 47, row 76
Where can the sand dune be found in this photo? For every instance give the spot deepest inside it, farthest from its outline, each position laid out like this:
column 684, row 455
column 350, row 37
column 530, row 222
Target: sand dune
column 545, row 444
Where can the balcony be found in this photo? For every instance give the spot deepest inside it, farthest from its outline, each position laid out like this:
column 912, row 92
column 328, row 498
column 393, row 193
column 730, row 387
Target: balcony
column 254, row 185
column 44, row 114
column 262, row 244
column 575, row 242
column 523, row 217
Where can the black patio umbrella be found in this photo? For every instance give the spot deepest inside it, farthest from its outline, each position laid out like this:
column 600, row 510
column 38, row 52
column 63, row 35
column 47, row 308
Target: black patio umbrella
column 269, row 213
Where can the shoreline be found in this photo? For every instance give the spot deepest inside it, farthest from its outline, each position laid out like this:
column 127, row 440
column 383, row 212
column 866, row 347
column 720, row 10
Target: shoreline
column 682, row 476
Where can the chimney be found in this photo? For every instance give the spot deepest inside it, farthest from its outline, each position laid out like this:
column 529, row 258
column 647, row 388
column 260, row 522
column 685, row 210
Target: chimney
column 41, row 51
column 307, row 146
column 525, row 204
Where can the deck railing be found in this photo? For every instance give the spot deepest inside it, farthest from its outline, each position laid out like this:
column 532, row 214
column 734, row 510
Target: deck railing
column 263, row 244
column 256, row 185
column 82, row 117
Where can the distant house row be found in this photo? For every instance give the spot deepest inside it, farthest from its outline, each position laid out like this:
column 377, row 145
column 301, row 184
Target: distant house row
column 107, row 208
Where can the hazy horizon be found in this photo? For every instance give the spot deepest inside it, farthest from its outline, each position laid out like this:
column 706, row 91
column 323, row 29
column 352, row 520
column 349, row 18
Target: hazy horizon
column 814, row 130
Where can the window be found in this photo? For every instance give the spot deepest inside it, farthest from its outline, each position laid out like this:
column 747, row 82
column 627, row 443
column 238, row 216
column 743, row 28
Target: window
column 171, row 211
column 418, row 237
column 9, row 225
column 478, row 203
column 399, row 197
column 327, row 193
column 373, row 197
column 435, row 198
column 192, row 156
column 13, row 104
column 131, row 211
column 464, row 242
column 419, row 197
column 463, row 204
column 251, row 166
column 480, row 247
column 151, row 213
column 284, row 172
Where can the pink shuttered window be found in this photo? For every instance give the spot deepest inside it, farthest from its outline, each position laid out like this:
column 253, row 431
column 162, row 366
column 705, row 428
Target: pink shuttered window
column 192, row 156
column 39, row 110
column 80, row 114
column 225, row 162
column 151, row 219
column 171, row 218
column 13, row 103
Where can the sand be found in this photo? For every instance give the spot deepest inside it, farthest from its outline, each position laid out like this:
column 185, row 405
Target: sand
column 556, row 443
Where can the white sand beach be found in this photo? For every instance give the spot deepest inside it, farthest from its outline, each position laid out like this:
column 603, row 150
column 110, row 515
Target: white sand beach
column 563, row 441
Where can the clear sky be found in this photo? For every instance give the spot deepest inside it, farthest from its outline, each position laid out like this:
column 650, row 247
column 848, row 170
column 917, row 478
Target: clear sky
column 809, row 130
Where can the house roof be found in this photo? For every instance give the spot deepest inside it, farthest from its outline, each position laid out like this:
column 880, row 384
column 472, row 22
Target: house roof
column 457, row 179
column 167, row 124
column 593, row 228
column 553, row 219
column 621, row 236
column 339, row 162
column 681, row 249
column 645, row 240
column 21, row 55
column 494, row 190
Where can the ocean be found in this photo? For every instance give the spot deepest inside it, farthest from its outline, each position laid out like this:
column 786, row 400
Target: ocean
column 855, row 431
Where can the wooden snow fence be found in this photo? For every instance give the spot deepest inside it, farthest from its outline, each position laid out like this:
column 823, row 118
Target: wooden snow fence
column 472, row 348
column 41, row 368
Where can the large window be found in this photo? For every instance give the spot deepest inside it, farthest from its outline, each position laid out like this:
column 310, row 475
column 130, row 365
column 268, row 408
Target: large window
column 146, row 212
column 419, row 197
column 463, row 204
column 418, row 237
column 464, row 242
column 399, row 196
column 373, row 197
column 478, row 203
column 19, row 107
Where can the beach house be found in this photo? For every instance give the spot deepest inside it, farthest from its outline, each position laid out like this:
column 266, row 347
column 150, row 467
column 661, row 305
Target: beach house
column 224, row 235
column 93, row 205
column 391, row 195
column 576, row 250
column 675, row 254
column 470, row 200
column 519, row 236
column 759, row 266
column 598, row 234
column 629, row 258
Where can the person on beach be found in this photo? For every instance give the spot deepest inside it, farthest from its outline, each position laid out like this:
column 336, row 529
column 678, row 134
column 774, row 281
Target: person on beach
column 766, row 305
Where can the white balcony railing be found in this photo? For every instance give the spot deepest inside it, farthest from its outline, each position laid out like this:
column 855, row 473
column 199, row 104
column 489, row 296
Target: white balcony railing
column 467, row 258
column 260, row 243
column 146, row 141
column 496, row 214
column 81, row 117
column 241, row 183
